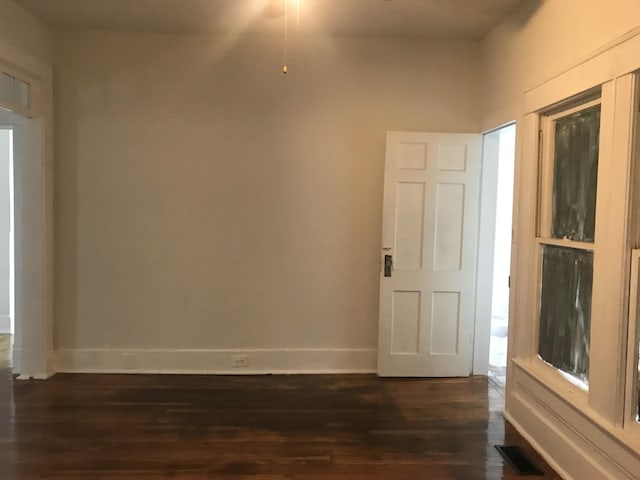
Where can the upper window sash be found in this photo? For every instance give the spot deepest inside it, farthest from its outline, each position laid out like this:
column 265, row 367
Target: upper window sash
column 547, row 178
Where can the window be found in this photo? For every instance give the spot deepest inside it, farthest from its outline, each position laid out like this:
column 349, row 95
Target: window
column 633, row 375
column 7, row 87
column 574, row 352
column 23, row 94
column 565, row 309
column 632, row 399
column 14, row 91
column 575, row 174
column 566, row 236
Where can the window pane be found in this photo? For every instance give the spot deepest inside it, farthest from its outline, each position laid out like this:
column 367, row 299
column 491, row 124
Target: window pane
column 638, row 385
column 575, row 175
column 23, row 94
column 565, row 309
column 7, row 87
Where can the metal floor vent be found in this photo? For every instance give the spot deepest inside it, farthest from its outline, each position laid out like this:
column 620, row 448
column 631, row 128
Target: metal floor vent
column 518, row 460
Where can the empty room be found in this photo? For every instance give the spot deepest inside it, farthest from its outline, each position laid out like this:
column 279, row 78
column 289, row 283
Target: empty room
column 263, row 239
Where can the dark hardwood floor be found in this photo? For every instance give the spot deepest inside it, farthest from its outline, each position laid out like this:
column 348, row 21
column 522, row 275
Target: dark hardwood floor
column 258, row 427
column 5, row 351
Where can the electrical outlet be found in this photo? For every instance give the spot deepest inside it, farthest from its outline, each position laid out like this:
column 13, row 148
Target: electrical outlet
column 239, row 361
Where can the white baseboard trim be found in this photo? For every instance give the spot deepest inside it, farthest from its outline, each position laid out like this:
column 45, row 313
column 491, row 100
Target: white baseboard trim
column 565, row 437
column 5, row 324
column 16, row 360
column 218, row 362
column 537, row 447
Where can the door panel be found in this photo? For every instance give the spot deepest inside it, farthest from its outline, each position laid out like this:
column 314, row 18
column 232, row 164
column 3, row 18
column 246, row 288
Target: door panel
column 409, row 224
column 405, row 329
column 430, row 221
column 445, row 333
column 447, row 252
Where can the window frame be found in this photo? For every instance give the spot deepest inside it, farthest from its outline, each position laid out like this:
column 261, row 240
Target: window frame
column 547, row 160
column 540, row 400
column 631, row 420
column 632, row 401
column 604, row 400
column 573, row 387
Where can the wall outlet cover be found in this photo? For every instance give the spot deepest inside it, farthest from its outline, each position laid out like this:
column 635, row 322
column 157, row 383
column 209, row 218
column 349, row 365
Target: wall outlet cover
column 239, row 361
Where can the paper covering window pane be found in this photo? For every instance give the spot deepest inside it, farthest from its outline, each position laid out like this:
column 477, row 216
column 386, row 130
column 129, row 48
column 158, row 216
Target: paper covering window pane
column 565, row 309
column 575, row 175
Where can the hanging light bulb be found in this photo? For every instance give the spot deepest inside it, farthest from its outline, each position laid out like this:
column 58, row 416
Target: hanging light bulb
column 286, row 30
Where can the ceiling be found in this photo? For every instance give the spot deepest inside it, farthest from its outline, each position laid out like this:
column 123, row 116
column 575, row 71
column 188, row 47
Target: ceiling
column 445, row 19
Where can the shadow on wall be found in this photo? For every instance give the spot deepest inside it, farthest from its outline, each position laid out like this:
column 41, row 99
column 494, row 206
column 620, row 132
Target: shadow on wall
column 525, row 12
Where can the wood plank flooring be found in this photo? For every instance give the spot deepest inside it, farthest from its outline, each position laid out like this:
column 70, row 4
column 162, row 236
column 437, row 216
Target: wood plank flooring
column 355, row 427
column 5, row 351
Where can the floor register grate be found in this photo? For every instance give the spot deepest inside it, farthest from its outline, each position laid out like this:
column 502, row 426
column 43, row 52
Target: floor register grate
column 518, row 460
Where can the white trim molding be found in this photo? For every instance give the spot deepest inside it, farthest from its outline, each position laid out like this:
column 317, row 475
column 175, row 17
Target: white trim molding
column 604, row 64
column 574, row 445
column 218, row 362
column 33, row 213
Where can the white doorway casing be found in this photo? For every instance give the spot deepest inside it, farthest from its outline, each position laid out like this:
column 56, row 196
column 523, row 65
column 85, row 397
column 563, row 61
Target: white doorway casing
column 492, row 151
column 6, row 207
column 33, row 345
column 33, row 354
column 502, row 250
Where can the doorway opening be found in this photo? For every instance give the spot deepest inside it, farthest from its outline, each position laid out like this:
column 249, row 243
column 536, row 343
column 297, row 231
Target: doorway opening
column 505, row 140
column 7, row 322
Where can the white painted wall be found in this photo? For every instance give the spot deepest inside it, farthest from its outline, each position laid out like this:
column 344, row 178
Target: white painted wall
column 540, row 40
column 530, row 48
column 22, row 30
column 205, row 202
column 6, row 152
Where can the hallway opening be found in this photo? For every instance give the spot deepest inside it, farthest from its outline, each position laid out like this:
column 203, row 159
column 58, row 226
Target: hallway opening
column 7, row 327
column 505, row 138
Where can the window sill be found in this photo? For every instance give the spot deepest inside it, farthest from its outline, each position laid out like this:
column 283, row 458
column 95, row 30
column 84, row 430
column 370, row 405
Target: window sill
column 555, row 381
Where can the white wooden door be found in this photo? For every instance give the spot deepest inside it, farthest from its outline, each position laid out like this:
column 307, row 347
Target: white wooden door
column 429, row 232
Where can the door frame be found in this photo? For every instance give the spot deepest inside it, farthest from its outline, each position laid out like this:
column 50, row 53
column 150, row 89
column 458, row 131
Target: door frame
column 486, row 243
column 33, row 215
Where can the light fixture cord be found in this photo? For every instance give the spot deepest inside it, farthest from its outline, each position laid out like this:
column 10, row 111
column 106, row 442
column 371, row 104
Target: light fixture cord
column 286, row 34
